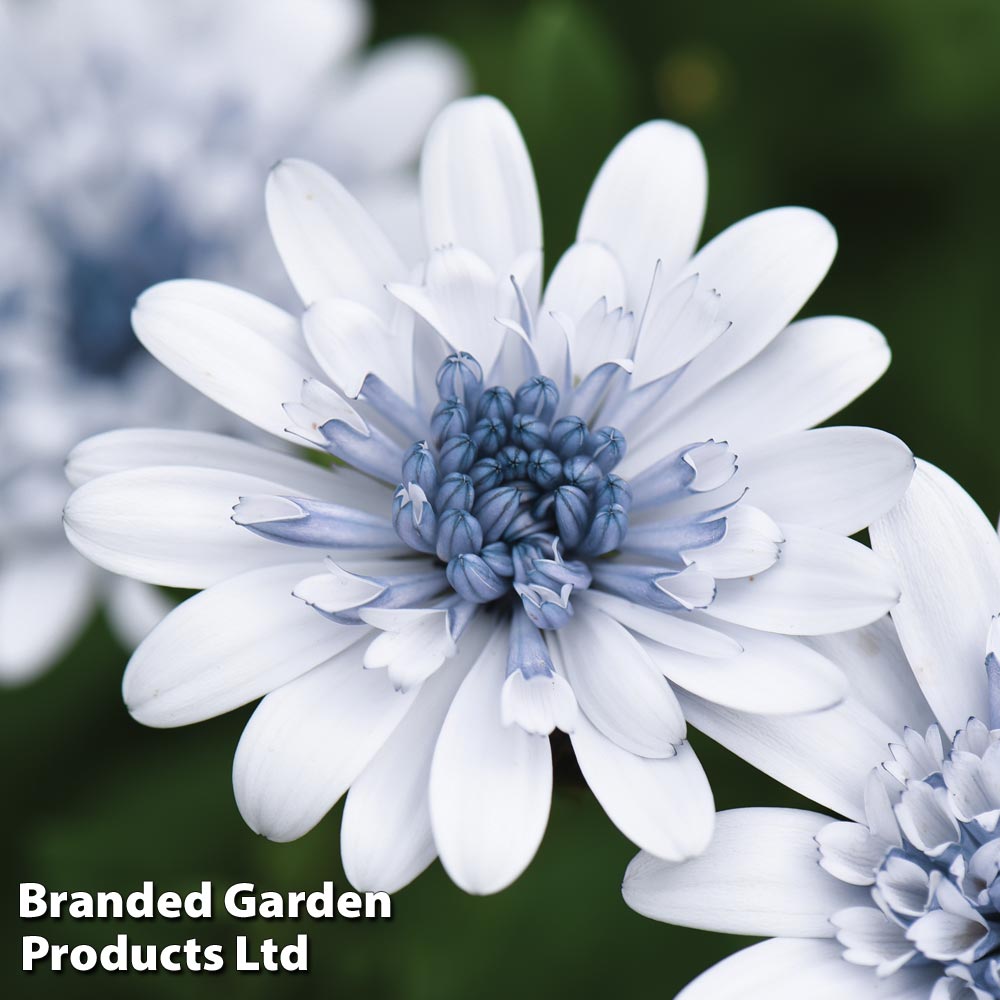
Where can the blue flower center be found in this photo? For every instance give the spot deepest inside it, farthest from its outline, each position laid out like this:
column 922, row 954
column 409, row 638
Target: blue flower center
column 511, row 496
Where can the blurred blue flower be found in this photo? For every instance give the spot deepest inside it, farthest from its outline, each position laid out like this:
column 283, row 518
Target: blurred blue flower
column 133, row 138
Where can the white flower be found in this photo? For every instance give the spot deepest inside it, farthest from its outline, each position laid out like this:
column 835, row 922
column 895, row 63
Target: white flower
column 134, row 135
column 901, row 899
column 486, row 564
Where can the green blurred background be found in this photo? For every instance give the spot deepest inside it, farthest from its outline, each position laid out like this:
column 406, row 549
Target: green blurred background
column 885, row 117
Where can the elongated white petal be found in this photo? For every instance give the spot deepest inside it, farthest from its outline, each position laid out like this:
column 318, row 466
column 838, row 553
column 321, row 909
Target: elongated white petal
column 879, row 674
column 328, row 243
column 760, row 876
column 490, row 785
column 385, row 837
column 821, row 365
column 136, row 448
column 948, row 558
column 765, row 267
column 648, row 203
column 797, row 750
column 821, row 583
column 663, row 805
column 677, row 631
column 836, row 478
column 617, row 687
column 809, row 969
column 46, row 593
column 477, row 185
column 773, row 675
column 170, row 525
column 238, row 350
column 228, row 645
column 308, row 740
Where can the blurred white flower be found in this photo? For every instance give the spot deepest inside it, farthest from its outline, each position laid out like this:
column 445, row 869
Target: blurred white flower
column 134, row 139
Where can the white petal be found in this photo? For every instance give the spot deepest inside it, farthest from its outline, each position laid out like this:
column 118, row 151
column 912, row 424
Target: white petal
column 973, row 788
column 337, row 589
column 315, row 404
column 826, row 756
column 308, row 740
column 538, row 704
column 170, row 525
column 680, row 321
column 821, row 364
column 836, row 478
column 228, row 645
column 925, row 818
column 760, row 876
column 677, row 631
column 238, row 350
column 413, row 644
column 948, row 557
column 906, row 886
column 663, row 805
column 328, row 243
column 477, row 184
column 490, row 786
column 385, row 837
column 690, row 587
column 821, row 583
column 878, row 672
column 459, row 299
column 136, row 448
column 774, row 674
column 350, row 341
column 752, row 544
column 647, row 203
column 810, row 969
column 765, row 267
column 617, row 687
column 134, row 609
column 851, row 852
column 46, row 595
column 871, row 938
column 586, row 273
column 946, row 936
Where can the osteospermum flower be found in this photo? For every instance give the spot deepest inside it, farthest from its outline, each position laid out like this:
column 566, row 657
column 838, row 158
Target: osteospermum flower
column 130, row 136
column 901, row 899
column 536, row 520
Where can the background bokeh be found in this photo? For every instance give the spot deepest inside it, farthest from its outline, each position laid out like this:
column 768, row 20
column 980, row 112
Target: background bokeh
column 886, row 118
